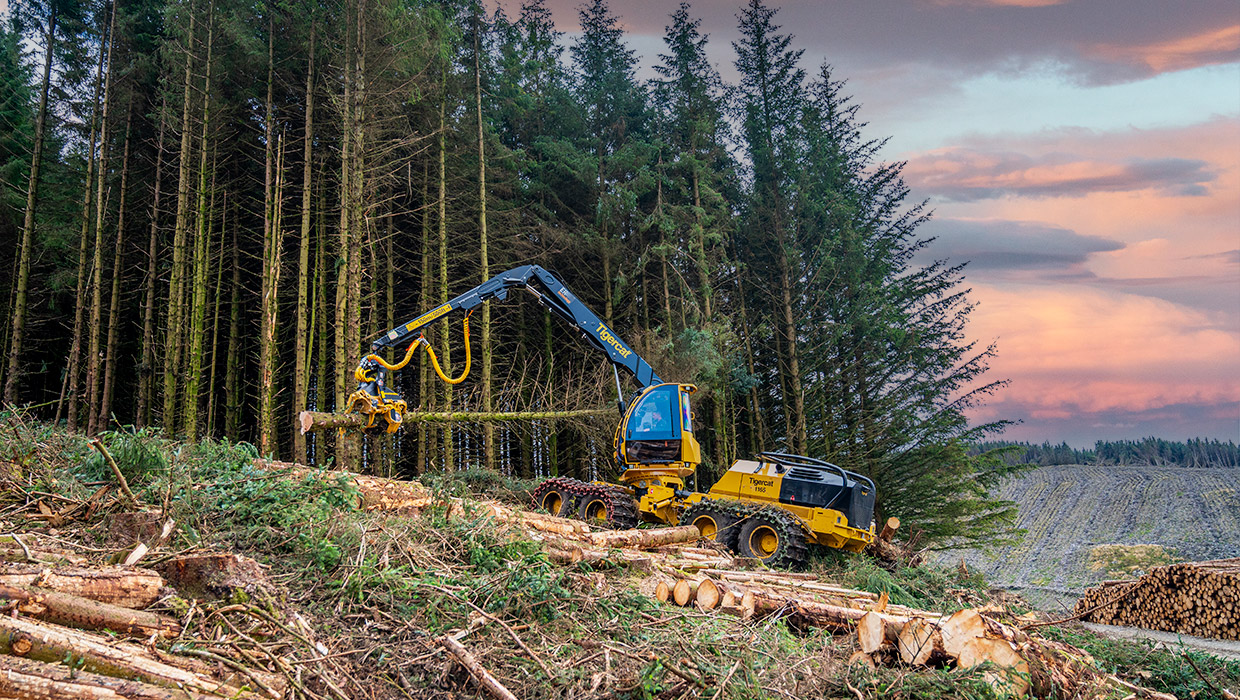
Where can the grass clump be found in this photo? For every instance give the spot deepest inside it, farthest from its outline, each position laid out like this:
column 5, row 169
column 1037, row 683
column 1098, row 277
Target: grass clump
column 1158, row 668
column 1128, row 560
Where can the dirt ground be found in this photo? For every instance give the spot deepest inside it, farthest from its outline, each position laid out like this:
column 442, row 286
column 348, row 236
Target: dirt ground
column 1218, row 647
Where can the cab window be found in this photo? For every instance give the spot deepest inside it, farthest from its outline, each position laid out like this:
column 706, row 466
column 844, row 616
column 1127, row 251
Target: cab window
column 656, row 417
column 686, row 414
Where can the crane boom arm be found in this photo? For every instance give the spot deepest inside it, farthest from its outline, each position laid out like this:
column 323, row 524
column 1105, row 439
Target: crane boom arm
column 552, row 294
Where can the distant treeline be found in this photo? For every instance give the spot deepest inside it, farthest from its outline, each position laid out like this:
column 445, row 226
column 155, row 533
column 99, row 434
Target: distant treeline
column 1198, row 452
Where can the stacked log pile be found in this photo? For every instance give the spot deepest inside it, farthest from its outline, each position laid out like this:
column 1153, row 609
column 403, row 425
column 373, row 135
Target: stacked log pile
column 1197, row 598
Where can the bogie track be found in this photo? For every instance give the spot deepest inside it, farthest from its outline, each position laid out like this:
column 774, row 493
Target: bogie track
column 773, row 535
column 717, row 519
column 596, row 504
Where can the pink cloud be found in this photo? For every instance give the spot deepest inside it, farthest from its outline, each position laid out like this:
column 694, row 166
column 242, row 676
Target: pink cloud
column 1086, row 350
column 1205, row 48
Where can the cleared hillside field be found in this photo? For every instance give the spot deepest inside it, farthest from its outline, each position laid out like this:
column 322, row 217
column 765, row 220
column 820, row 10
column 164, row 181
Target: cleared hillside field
column 1071, row 513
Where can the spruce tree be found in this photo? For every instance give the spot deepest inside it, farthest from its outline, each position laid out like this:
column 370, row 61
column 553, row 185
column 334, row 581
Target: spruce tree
column 770, row 102
column 892, row 377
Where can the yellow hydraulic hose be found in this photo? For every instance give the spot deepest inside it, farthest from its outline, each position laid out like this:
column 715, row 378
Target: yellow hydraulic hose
column 361, row 377
column 435, row 360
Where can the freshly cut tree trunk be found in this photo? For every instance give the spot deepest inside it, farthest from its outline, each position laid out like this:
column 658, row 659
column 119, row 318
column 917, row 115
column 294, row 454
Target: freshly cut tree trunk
column 889, row 530
column 35, row 680
column 873, row 632
column 685, row 591
column 919, row 642
column 314, row 421
column 1011, row 670
column 126, row 587
column 39, row 551
column 83, row 613
column 216, row 575
column 646, row 538
column 708, row 594
column 375, row 492
column 52, row 643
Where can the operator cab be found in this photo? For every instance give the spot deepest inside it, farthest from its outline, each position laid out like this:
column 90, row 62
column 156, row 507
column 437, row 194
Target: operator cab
column 657, row 429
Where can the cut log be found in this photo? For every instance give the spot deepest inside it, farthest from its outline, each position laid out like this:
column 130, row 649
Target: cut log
column 374, row 492
column 217, row 576
column 918, row 641
column 35, row 680
column 314, row 421
column 28, row 548
column 564, row 527
column 53, row 643
column 873, row 632
column 1171, row 598
column 749, row 605
column 958, row 628
column 126, row 587
column 708, row 594
column 685, row 591
column 1012, row 672
column 861, row 657
column 889, row 530
column 83, row 613
column 662, row 592
column 150, row 527
column 482, row 676
column 645, row 538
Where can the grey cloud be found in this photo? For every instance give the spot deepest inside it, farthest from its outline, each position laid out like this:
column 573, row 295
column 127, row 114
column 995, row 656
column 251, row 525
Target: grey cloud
column 1174, row 422
column 967, row 37
column 1000, row 246
column 974, row 175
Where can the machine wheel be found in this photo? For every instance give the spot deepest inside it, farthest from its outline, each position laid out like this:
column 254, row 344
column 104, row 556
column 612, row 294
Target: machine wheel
column 774, row 536
column 716, row 521
column 607, row 506
column 557, row 497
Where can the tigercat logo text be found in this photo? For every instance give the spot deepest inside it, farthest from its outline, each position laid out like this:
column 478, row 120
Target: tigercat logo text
column 428, row 317
column 762, row 482
column 611, row 340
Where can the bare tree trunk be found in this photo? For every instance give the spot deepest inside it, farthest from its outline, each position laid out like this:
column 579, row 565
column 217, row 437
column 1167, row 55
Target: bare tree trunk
column 446, row 354
column 146, row 368
column 93, row 360
column 114, row 304
column 202, row 252
column 215, row 314
column 232, row 370
column 344, row 249
column 174, row 333
column 32, row 198
column 301, row 375
column 273, row 236
column 75, row 348
column 488, row 430
column 425, row 397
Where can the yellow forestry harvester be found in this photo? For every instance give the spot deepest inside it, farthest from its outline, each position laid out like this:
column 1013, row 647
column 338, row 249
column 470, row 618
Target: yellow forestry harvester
column 771, row 507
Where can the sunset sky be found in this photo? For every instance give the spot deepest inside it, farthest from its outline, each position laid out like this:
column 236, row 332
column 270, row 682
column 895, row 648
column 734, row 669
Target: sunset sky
column 1085, row 156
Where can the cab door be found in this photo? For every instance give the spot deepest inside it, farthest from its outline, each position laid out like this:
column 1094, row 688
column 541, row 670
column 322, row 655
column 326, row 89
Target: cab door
column 652, row 431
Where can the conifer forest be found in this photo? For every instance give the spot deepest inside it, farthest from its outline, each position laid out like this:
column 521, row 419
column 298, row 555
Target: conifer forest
column 213, row 206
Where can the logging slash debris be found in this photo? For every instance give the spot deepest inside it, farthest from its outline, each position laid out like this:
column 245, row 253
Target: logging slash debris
column 146, row 617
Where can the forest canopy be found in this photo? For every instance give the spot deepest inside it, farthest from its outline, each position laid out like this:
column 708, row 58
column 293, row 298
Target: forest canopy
column 212, row 206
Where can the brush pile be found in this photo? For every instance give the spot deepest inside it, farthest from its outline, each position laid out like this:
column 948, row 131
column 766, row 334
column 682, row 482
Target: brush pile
column 892, row 635
column 64, row 613
column 676, row 566
column 1198, row 598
